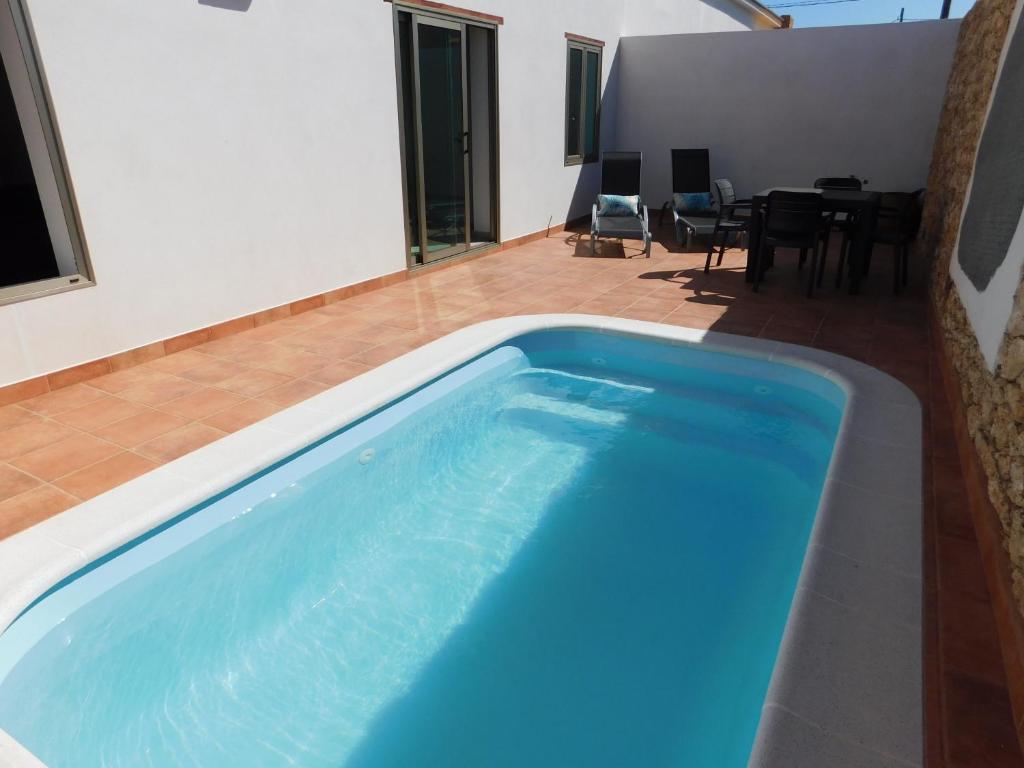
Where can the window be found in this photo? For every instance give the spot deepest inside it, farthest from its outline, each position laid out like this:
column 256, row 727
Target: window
column 43, row 252
column 582, row 101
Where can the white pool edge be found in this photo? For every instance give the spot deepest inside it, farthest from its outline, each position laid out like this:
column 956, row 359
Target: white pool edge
column 846, row 687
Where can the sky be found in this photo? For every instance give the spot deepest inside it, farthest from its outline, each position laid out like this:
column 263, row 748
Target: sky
column 829, row 12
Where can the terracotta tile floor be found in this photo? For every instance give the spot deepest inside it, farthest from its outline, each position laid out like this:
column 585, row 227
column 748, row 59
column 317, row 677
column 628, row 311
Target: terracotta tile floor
column 74, row 443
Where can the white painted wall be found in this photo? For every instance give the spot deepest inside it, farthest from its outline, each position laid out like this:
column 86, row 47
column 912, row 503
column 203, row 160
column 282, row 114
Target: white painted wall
column 989, row 310
column 659, row 17
column 536, row 187
column 226, row 161
column 783, row 108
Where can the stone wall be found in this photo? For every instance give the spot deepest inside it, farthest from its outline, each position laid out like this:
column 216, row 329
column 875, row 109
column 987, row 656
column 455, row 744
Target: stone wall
column 994, row 403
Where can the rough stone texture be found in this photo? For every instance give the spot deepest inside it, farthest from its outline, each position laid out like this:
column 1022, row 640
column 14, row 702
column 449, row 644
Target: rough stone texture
column 994, row 403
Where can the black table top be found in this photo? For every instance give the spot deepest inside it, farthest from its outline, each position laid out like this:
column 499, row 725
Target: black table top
column 844, row 197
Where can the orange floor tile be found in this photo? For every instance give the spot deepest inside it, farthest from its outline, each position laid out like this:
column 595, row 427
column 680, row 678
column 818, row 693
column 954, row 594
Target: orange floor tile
column 71, row 444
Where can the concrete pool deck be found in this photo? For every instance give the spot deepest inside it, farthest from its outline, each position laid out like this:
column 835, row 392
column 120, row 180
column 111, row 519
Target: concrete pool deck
column 77, row 442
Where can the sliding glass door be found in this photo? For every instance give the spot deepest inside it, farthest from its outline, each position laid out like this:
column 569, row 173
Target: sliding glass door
column 444, row 137
column 448, row 115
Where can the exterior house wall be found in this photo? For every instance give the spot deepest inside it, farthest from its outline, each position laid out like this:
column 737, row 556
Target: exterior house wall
column 656, row 17
column 784, row 109
column 228, row 157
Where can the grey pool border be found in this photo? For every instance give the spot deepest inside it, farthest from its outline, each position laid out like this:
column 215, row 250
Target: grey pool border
column 846, row 689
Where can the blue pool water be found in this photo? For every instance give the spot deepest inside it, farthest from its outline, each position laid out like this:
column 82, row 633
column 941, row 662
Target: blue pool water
column 577, row 550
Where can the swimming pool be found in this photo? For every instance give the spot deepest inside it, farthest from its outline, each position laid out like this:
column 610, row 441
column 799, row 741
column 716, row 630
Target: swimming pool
column 577, row 548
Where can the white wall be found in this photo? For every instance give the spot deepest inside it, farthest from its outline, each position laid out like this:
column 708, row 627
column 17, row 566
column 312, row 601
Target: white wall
column 536, row 187
column 989, row 311
column 782, row 108
column 226, row 161
column 658, row 17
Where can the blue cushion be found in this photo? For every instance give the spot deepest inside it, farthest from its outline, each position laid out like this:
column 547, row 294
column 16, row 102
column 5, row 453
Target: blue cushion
column 692, row 202
column 618, row 205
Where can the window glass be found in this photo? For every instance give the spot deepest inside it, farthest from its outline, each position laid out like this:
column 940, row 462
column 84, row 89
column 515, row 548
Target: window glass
column 41, row 249
column 575, row 98
column 30, row 253
column 593, row 102
column 582, row 103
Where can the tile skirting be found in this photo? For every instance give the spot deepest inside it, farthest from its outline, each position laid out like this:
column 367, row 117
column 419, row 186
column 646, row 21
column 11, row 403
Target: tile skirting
column 40, row 385
column 989, row 533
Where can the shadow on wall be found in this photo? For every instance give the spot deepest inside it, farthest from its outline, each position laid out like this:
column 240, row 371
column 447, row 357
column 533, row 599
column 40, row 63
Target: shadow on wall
column 228, row 5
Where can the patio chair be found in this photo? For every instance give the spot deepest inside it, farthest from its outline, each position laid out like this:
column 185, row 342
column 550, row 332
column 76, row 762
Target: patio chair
column 730, row 220
column 899, row 219
column 619, row 211
column 793, row 220
column 841, row 222
column 692, row 204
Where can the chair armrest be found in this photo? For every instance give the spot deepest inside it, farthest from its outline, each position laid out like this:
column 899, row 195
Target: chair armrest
column 728, row 208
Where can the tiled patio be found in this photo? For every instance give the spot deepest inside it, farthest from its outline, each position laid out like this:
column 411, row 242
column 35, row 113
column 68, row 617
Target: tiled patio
column 74, row 443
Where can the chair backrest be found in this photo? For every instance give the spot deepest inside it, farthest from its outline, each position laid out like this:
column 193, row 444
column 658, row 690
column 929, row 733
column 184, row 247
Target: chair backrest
column 907, row 219
column 620, row 173
column 915, row 212
column 839, row 182
column 793, row 214
column 691, row 170
column 726, row 193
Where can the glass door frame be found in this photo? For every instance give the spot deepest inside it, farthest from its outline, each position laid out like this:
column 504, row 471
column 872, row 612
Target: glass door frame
column 426, row 254
column 419, row 14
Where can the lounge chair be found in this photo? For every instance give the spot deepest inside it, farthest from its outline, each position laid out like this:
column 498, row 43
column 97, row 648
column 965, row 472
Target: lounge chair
column 619, row 211
column 692, row 202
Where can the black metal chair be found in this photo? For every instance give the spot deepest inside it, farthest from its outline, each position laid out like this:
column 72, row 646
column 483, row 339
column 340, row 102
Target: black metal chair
column 899, row 219
column 792, row 220
column 731, row 219
column 843, row 223
column 621, row 175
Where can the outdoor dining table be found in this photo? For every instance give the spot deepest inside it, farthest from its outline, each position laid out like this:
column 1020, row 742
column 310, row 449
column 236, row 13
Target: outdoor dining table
column 862, row 205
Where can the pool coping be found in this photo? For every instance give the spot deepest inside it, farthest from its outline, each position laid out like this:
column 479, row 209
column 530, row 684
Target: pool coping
column 846, row 689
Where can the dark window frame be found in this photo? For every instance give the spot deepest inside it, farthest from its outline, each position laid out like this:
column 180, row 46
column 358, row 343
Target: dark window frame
column 582, row 157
